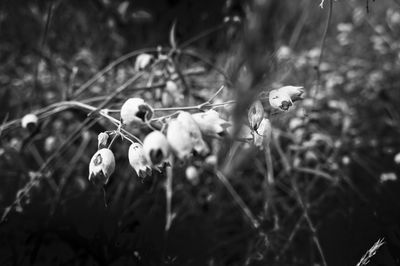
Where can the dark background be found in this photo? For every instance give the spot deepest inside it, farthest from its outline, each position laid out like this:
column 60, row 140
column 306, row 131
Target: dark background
column 41, row 41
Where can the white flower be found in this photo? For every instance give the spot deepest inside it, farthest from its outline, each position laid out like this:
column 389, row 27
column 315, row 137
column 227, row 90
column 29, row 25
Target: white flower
column 135, row 110
column 101, row 166
column 189, row 124
column 388, row 177
column 255, row 114
column 29, row 120
column 138, row 161
column 142, row 61
column 179, row 140
column 284, row 97
column 210, row 123
column 156, row 148
column 262, row 136
column 102, row 140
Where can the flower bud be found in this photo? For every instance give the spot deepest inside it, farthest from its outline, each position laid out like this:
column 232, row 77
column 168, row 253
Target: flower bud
column 284, row 97
column 188, row 124
column 102, row 139
column 135, row 110
column 101, row 166
column 210, row 123
column 255, row 114
column 50, row 144
column 143, row 61
column 156, row 148
column 29, row 121
column 262, row 136
column 192, row 175
column 138, row 160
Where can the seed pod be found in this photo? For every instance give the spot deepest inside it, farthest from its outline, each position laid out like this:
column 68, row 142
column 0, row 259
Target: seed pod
column 143, row 61
column 284, row 97
column 29, row 122
column 135, row 110
column 255, row 114
column 210, row 123
column 262, row 136
column 102, row 139
column 188, row 124
column 101, row 166
column 156, row 148
column 138, row 160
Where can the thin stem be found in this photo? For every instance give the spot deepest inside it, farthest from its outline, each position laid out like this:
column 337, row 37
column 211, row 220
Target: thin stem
column 168, row 197
column 246, row 210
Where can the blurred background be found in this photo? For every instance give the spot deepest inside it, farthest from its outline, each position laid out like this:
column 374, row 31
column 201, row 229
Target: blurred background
column 336, row 154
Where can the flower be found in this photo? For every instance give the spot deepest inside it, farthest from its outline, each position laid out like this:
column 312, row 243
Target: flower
column 210, row 123
column 189, row 124
column 29, row 121
column 102, row 140
column 179, row 140
column 255, row 114
column 284, row 97
column 143, row 61
column 138, row 161
column 135, row 110
column 262, row 136
column 101, row 166
column 155, row 147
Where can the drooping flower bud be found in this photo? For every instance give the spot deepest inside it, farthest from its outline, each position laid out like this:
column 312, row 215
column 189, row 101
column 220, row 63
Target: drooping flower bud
column 29, row 121
column 189, row 124
column 101, row 166
column 102, row 139
column 262, row 136
column 156, row 148
column 135, row 110
column 255, row 114
column 192, row 175
column 143, row 61
column 210, row 123
column 284, row 97
column 138, row 161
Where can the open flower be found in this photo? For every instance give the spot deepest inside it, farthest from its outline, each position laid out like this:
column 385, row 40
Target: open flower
column 143, row 61
column 156, row 148
column 210, row 123
column 262, row 136
column 101, row 166
column 138, row 160
column 29, row 121
column 135, row 110
column 255, row 114
column 189, row 124
column 284, row 97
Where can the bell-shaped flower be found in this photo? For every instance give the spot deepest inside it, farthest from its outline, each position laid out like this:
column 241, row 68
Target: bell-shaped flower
column 284, row 97
column 101, row 166
column 179, row 140
column 29, row 121
column 255, row 114
column 189, row 124
column 156, row 148
column 210, row 123
column 138, row 161
column 102, row 139
column 143, row 61
column 262, row 136
column 135, row 110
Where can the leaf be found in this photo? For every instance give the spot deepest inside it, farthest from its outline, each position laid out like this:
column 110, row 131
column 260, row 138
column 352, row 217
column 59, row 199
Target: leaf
column 172, row 36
